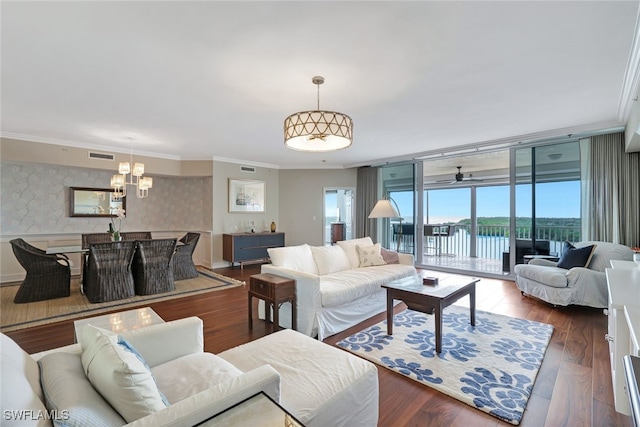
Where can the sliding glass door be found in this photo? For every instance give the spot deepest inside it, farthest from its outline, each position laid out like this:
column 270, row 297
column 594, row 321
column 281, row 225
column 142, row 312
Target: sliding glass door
column 398, row 185
column 547, row 188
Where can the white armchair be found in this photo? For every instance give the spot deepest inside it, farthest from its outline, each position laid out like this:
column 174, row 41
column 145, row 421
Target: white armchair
column 21, row 387
column 578, row 285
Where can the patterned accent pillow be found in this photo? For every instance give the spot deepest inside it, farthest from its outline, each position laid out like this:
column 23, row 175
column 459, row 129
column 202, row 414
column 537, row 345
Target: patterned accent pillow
column 370, row 255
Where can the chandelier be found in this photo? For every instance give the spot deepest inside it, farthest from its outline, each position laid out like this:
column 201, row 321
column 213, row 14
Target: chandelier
column 318, row 131
column 119, row 181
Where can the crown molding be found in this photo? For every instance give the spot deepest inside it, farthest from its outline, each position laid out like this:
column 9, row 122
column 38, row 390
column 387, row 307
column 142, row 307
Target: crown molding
column 84, row 145
column 631, row 79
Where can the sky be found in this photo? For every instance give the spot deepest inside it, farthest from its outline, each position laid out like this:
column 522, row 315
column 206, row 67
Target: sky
column 554, row 200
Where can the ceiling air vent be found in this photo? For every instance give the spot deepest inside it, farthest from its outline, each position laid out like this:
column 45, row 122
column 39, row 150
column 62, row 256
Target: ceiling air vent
column 248, row 169
column 101, row 156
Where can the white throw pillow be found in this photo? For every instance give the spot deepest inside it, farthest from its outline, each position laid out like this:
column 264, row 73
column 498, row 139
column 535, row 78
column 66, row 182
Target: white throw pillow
column 349, row 247
column 330, row 259
column 370, row 255
column 120, row 374
column 298, row 258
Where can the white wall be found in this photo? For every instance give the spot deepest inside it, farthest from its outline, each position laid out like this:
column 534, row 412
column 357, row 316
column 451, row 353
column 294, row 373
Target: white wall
column 225, row 222
column 301, row 201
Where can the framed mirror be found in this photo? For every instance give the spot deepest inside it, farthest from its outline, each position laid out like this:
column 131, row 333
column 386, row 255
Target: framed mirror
column 94, row 202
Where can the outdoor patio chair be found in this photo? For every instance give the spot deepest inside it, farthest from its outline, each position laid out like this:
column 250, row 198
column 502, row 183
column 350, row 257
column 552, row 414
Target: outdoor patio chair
column 152, row 267
column 183, row 266
column 109, row 276
column 48, row 276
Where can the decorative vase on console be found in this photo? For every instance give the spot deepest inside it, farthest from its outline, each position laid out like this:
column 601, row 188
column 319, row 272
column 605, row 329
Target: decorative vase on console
column 273, row 226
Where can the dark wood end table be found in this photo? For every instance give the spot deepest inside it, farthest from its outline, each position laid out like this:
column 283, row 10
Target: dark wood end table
column 432, row 298
column 274, row 290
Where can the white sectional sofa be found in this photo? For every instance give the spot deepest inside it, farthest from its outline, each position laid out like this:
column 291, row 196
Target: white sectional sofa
column 334, row 290
column 318, row 384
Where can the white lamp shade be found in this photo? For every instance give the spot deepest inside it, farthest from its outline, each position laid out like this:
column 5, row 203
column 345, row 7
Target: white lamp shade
column 117, row 181
column 384, row 209
column 146, row 183
column 138, row 169
column 124, row 168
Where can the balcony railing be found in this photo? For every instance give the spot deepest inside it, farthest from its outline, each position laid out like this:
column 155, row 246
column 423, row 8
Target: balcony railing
column 491, row 241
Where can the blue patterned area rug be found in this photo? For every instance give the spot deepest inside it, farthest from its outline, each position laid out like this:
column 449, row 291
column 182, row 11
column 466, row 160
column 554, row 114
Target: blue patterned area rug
column 491, row 367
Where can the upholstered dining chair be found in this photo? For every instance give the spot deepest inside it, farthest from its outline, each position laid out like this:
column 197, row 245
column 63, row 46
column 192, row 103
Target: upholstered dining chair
column 48, row 276
column 109, row 276
column 152, row 267
column 183, row 266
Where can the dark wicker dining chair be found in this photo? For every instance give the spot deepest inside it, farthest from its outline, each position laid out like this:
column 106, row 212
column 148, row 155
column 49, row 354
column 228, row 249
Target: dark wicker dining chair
column 109, row 275
column 152, row 269
column 48, row 276
column 183, row 266
column 136, row 235
column 88, row 239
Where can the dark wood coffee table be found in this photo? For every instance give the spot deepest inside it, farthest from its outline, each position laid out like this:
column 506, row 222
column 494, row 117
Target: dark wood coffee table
column 430, row 298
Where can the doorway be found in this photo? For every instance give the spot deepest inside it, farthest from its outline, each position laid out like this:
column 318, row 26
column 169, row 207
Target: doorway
column 339, row 205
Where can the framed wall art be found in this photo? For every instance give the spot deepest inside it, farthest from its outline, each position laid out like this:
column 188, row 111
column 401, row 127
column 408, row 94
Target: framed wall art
column 246, row 195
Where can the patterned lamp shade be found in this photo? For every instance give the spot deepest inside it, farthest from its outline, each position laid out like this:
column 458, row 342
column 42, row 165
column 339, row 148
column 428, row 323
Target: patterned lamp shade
column 318, row 130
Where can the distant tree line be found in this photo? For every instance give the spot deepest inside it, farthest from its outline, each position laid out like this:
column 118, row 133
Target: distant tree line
column 556, row 229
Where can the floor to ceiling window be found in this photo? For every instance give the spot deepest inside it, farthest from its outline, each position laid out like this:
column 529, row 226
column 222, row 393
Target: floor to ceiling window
column 467, row 205
column 398, row 184
column 548, row 204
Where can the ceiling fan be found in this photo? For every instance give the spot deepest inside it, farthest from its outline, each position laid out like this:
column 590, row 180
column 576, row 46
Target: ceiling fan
column 459, row 177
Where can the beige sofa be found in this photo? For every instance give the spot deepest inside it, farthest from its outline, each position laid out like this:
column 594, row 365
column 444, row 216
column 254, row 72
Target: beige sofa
column 317, row 383
column 333, row 290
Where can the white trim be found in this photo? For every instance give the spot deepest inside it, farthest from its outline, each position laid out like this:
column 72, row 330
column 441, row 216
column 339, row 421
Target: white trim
column 631, row 76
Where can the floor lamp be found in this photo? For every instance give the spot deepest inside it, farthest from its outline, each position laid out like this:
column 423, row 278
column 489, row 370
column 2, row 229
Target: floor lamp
column 383, row 209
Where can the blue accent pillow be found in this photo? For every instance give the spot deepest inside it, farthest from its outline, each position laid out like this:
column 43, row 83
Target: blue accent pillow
column 575, row 257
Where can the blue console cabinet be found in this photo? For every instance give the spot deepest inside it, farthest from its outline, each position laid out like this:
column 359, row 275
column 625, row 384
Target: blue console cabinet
column 249, row 247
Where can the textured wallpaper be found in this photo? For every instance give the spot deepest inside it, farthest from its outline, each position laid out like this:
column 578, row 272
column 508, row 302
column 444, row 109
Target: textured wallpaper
column 34, row 199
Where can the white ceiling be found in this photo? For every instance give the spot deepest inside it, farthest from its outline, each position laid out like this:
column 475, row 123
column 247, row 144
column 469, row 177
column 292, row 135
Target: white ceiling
column 199, row 80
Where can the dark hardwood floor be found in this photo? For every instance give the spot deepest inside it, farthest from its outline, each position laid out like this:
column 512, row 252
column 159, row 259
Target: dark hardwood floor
column 573, row 387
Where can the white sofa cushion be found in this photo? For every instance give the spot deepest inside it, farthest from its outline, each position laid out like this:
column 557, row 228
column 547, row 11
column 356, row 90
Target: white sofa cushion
column 550, row 276
column 66, row 388
column 370, row 255
column 19, row 384
column 349, row 247
column 188, row 375
column 321, row 385
column 330, row 259
column 346, row 286
column 119, row 374
column 298, row 258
